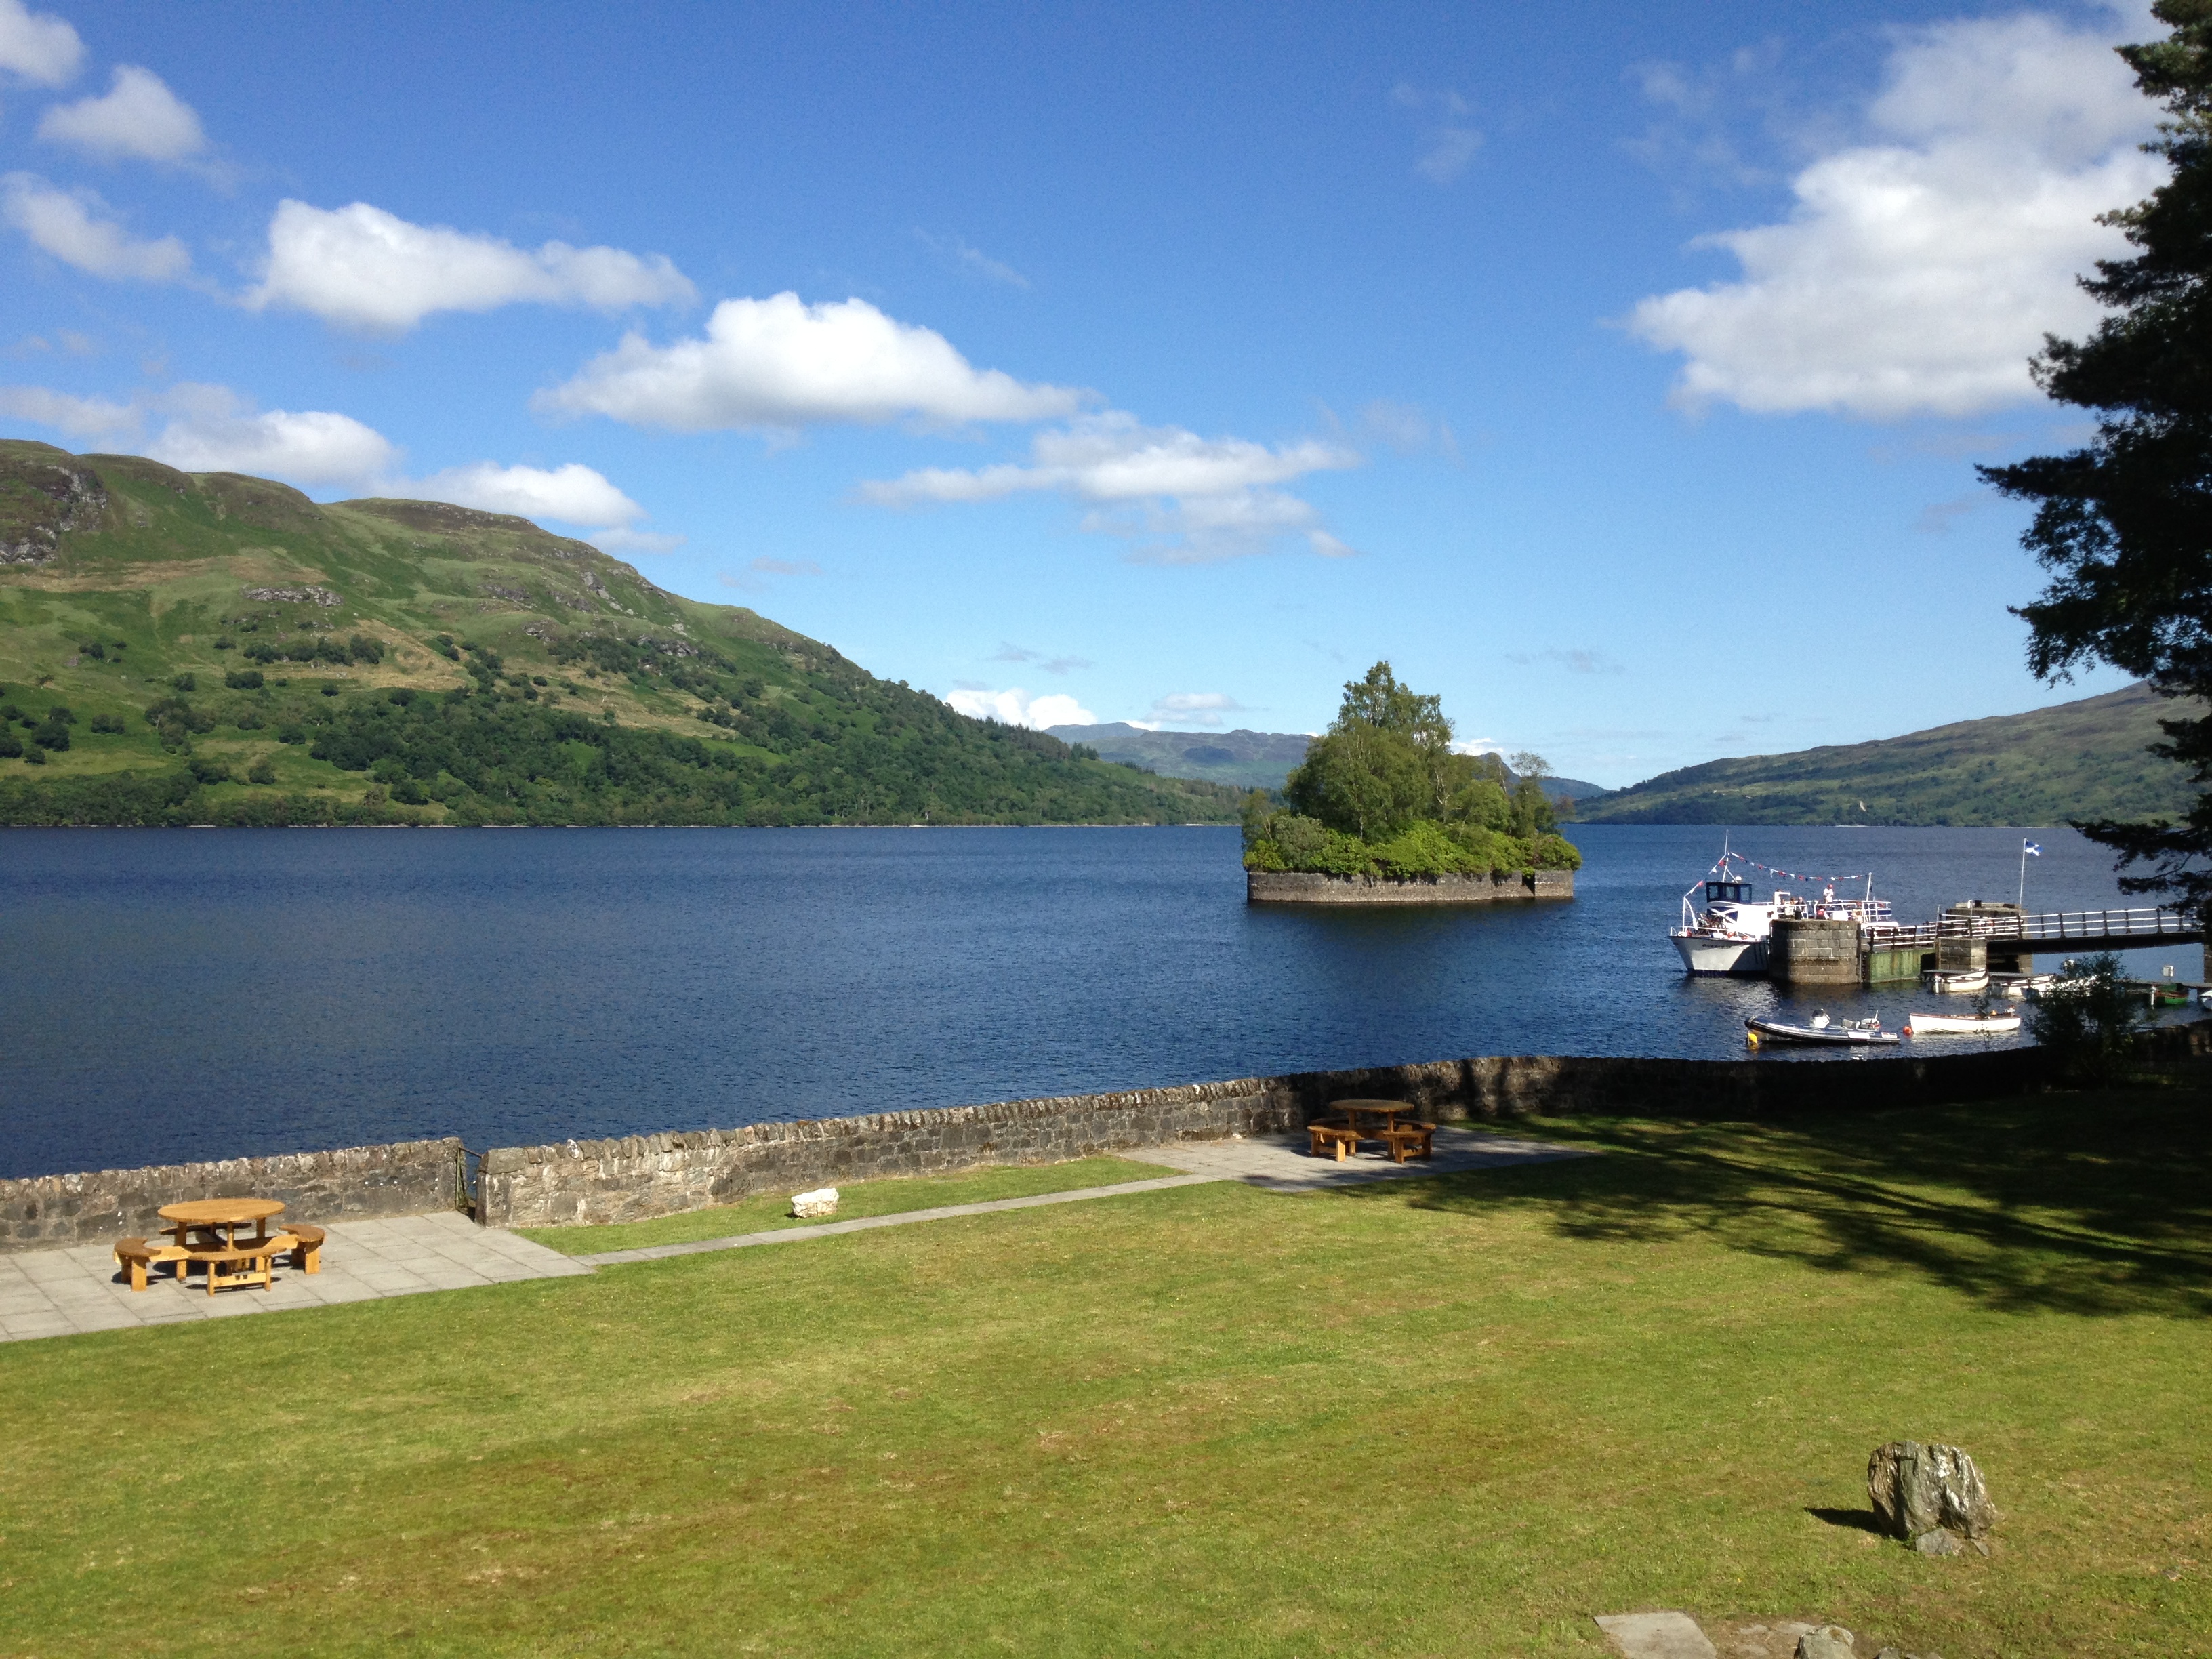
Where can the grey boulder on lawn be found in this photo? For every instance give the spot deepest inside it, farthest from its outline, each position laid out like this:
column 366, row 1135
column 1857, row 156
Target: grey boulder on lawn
column 1930, row 1496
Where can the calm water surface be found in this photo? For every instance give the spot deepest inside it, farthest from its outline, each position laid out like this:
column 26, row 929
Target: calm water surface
column 185, row 995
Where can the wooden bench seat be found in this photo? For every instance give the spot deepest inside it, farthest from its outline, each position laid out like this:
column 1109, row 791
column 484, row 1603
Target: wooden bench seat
column 1332, row 1140
column 1409, row 1140
column 222, row 1261
column 140, row 1257
column 306, row 1247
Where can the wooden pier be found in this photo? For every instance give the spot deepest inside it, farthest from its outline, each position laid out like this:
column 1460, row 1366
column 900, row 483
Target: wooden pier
column 1810, row 951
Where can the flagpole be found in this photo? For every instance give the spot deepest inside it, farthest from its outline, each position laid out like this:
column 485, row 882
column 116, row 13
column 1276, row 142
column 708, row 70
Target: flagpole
column 2019, row 902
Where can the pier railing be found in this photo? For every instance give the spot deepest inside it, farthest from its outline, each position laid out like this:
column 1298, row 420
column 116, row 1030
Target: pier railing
column 2056, row 927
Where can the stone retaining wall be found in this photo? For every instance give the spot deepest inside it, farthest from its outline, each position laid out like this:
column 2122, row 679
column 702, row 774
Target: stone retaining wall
column 1308, row 887
column 643, row 1175
column 40, row 1213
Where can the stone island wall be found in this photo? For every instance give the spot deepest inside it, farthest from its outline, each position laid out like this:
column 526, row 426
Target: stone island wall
column 1306, row 887
column 41, row 1213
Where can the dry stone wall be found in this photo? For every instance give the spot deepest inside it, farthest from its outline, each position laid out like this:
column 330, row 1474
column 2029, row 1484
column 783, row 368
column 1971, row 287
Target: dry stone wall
column 41, row 1213
column 643, row 1175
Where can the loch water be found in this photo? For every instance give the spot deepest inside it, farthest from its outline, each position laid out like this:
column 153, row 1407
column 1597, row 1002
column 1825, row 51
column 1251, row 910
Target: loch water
column 181, row 995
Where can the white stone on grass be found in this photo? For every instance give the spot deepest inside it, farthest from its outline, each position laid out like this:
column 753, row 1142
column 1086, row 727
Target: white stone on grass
column 822, row 1201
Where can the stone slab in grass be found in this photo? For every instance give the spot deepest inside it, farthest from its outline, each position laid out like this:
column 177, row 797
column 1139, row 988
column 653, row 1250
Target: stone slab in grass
column 1656, row 1635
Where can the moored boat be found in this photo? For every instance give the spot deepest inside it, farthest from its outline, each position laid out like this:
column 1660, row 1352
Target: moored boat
column 2022, row 985
column 1852, row 1032
column 1965, row 983
column 1989, row 1024
column 1729, row 932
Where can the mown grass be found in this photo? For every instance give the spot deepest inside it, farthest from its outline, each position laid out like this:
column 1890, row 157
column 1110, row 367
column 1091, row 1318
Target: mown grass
column 1441, row 1416
column 855, row 1200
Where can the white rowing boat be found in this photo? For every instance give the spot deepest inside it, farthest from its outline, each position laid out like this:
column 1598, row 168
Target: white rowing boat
column 1960, row 984
column 1852, row 1032
column 1993, row 1025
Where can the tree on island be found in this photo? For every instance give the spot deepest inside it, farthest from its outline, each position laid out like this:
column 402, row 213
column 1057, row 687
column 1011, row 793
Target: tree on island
column 2124, row 525
column 1383, row 792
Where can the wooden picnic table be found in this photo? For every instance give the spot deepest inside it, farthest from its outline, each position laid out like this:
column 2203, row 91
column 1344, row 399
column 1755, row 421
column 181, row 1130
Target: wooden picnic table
column 227, row 1214
column 229, row 1260
column 1388, row 1110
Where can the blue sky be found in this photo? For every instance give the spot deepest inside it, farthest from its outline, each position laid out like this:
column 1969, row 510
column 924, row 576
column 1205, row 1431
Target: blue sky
column 1617, row 372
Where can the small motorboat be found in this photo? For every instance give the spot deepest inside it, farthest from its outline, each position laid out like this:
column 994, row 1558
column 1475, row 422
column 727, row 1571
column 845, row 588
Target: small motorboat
column 1989, row 1024
column 2018, row 985
column 1857, row 1032
column 1967, row 983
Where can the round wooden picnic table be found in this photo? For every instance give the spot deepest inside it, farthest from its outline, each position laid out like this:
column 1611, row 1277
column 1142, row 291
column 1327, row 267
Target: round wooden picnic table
column 228, row 1214
column 1387, row 1110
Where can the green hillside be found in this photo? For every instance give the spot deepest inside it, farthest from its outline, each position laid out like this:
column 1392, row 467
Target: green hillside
column 1250, row 760
column 2078, row 761
column 181, row 648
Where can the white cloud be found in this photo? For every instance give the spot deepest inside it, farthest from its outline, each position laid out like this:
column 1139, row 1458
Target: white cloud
column 79, row 417
column 622, row 539
column 80, row 229
column 1009, row 652
column 1919, row 271
column 779, row 363
column 1408, row 428
column 212, row 428
column 1179, row 709
column 973, row 260
column 574, row 494
column 1186, row 499
column 360, row 267
column 37, row 45
column 216, row 430
column 1450, row 142
column 138, row 117
column 1015, row 706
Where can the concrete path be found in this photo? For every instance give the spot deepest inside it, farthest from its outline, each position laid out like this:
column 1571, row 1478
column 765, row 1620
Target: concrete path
column 832, row 1229
column 1281, row 1164
column 68, row 1291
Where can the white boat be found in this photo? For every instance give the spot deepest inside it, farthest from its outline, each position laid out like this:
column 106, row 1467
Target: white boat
column 2017, row 986
column 1728, row 933
column 1859, row 1032
column 1966, row 983
column 1992, row 1024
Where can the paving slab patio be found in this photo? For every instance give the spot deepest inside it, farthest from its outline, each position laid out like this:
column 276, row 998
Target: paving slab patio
column 1282, row 1164
column 70, row 1291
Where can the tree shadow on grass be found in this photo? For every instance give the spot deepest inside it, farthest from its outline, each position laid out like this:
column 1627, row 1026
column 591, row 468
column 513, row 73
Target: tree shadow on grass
column 2095, row 1204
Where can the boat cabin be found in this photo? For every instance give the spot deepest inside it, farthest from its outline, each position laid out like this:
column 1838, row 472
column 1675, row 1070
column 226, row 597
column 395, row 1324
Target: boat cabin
column 1729, row 892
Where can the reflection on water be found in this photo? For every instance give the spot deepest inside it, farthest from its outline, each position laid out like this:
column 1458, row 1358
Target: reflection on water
column 172, row 995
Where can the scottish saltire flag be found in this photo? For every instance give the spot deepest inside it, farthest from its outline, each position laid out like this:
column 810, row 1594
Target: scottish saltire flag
column 2030, row 849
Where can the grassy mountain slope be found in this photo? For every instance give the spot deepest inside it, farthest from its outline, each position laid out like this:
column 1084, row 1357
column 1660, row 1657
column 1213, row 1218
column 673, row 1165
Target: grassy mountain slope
column 212, row 649
column 2079, row 760
column 1248, row 760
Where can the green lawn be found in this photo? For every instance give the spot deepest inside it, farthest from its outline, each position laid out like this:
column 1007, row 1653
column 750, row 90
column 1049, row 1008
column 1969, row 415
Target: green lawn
column 854, row 1199
column 1443, row 1416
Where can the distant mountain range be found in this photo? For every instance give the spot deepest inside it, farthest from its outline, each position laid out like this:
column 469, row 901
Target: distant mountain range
column 2077, row 761
column 1249, row 759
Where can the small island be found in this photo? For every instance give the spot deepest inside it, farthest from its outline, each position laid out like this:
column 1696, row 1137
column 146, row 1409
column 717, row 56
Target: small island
column 1383, row 811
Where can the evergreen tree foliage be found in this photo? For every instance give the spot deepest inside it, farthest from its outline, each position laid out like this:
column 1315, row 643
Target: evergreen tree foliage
column 1383, row 793
column 2124, row 524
